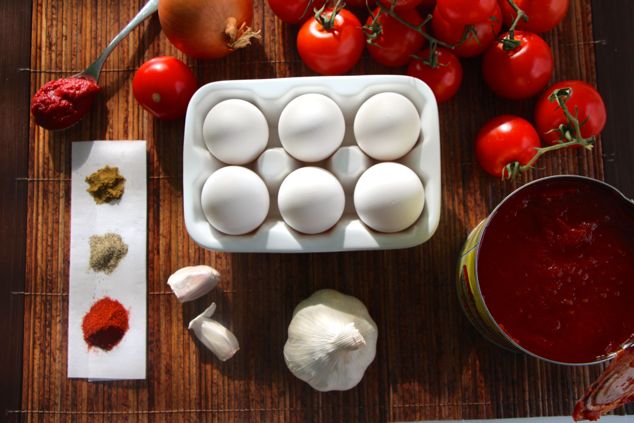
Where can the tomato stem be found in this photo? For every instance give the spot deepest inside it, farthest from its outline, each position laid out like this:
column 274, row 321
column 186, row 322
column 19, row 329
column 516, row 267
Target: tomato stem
column 420, row 28
column 469, row 32
column 308, row 6
column 570, row 136
column 509, row 42
column 328, row 23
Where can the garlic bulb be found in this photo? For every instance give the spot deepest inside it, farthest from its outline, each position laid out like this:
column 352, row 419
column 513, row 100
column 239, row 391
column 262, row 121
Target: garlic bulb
column 331, row 341
column 213, row 335
column 190, row 283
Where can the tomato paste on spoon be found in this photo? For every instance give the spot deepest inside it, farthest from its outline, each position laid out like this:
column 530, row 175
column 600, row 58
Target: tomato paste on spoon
column 63, row 102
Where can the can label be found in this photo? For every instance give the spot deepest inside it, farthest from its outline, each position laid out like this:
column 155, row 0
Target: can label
column 469, row 293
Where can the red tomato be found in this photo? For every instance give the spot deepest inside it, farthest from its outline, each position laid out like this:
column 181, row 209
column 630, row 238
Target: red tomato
column 444, row 79
column 583, row 98
column 452, row 33
column 519, row 73
column 402, row 4
column 163, row 86
column 360, row 3
column 396, row 43
column 331, row 51
column 295, row 11
column 504, row 140
column 543, row 15
column 466, row 11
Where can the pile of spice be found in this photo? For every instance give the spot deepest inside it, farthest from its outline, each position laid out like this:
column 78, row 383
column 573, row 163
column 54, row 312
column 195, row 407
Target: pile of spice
column 106, row 251
column 106, row 184
column 105, row 324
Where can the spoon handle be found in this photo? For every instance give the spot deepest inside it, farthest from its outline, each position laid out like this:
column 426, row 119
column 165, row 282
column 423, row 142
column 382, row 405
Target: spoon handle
column 95, row 68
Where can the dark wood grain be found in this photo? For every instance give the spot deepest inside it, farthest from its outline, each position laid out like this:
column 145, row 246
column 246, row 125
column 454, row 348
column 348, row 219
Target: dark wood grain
column 15, row 19
column 615, row 58
column 431, row 364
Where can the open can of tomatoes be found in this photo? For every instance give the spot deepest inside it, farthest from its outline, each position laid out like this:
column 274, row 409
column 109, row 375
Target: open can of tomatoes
column 551, row 271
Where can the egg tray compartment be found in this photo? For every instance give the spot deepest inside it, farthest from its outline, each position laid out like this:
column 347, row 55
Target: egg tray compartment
column 271, row 96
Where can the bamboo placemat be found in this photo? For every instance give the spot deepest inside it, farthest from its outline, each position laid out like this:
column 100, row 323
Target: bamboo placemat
column 430, row 362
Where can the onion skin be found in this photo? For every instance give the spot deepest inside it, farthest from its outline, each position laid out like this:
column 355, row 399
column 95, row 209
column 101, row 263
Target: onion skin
column 198, row 27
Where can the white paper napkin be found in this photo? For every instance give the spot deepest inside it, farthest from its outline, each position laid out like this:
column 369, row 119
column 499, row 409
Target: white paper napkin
column 127, row 283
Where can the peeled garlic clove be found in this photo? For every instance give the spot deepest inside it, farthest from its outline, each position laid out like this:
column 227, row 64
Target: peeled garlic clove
column 217, row 338
column 190, row 283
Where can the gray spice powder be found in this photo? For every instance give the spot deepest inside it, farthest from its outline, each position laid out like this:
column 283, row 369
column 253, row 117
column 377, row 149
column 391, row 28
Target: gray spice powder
column 106, row 251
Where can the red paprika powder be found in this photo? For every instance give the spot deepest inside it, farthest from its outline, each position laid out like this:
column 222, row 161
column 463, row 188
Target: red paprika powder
column 105, row 324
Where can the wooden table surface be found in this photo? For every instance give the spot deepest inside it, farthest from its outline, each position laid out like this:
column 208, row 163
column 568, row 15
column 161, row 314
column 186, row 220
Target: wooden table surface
column 430, row 364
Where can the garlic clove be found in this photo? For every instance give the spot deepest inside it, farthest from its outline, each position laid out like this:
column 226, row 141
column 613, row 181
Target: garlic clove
column 217, row 338
column 192, row 282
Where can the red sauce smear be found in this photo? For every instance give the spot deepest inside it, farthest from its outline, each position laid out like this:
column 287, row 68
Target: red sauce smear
column 556, row 269
column 105, row 324
column 62, row 103
column 614, row 388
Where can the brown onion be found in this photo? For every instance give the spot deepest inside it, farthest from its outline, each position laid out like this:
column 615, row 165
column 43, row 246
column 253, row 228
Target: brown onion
column 207, row 29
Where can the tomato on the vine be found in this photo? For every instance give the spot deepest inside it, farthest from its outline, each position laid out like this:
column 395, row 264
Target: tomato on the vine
column 395, row 42
column 583, row 100
column 505, row 140
column 466, row 11
column 543, row 15
column 359, row 3
column 402, row 4
column 474, row 44
column 163, row 86
column 295, row 11
column 333, row 46
column 521, row 72
column 444, row 78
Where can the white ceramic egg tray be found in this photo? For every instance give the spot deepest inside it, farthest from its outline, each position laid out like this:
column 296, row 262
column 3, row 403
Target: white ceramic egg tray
column 271, row 96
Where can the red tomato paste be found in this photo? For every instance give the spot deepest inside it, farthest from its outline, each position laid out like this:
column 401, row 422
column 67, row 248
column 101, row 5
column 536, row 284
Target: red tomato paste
column 556, row 269
column 62, row 103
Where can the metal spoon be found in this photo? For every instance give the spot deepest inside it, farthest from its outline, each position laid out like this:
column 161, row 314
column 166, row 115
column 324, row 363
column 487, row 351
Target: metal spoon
column 94, row 69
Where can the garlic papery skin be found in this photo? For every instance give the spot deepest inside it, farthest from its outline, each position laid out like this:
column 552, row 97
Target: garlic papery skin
column 192, row 282
column 217, row 338
column 331, row 341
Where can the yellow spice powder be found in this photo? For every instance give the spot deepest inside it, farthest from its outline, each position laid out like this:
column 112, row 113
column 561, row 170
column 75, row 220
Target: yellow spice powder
column 106, row 184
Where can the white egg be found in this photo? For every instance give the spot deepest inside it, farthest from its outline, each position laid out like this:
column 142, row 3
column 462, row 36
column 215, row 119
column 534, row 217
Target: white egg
column 235, row 200
column 311, row 200
column 389, row 197
column 387, row 126
column 235, row 131
column 311, row 127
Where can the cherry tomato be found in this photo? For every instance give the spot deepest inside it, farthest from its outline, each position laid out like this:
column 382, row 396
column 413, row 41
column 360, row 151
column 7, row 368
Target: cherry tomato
column 295, row 11
column 444, row 79
column 583, row 99
column 163, row 86
column 452, row 33
column 466, row 11
column 543, row 15
column 402, row 4
column 519, row 73
column 331, row 51
column 504, row 140
column 396, row 43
